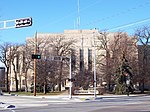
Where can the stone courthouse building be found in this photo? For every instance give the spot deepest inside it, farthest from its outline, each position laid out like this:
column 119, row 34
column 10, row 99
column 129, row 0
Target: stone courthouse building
column 85, row 48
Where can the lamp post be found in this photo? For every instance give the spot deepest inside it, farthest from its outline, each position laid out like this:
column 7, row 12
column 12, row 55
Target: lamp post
column 94, row 65
column 70, row 76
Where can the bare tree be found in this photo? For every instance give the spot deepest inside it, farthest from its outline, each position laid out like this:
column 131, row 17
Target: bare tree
column 115, row 45
column 143, row 35
column 14, row 50
column 62, row 47
column 49, row 71
column 26, row 52
column 105, row 67
column 46, row 76
column 10, row 55
column 5, row 59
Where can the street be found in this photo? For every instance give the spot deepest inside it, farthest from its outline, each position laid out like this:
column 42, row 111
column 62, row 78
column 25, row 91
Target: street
column 104, row 103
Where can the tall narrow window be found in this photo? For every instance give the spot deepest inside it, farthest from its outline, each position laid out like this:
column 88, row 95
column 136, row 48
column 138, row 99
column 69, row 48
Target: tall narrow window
column 90, row 60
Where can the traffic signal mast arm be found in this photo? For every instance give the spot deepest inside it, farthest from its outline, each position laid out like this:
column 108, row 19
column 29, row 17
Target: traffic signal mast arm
column 16, row 23
column 7, row 24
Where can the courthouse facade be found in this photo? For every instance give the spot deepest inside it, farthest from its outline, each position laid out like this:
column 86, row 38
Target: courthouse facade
column 85, row 46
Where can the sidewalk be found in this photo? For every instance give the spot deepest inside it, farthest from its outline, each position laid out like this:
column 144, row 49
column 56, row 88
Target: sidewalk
column 77, row 97
column 74, row 97
column 15, row 101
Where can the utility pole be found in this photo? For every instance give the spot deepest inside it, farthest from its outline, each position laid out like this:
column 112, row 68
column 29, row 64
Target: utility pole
column 35, row 50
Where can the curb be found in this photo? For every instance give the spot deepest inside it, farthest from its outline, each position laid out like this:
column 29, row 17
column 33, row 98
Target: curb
column 91, row 99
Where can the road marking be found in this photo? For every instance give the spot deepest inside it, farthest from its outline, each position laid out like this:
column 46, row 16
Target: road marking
column 12, row 110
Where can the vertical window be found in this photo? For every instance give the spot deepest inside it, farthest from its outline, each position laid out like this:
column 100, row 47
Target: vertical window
column 90, row 60
column 23, row 82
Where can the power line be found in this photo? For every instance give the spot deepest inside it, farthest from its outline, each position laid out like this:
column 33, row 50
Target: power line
column 130, row 24
column 102, row 19
column 118, row 14
column 92, row 4
column 70, row 14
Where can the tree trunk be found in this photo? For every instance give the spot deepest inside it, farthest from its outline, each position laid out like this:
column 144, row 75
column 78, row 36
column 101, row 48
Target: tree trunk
column 20, row 82
column 53, row 87
column 142, row 86
column 108, row 85
column 16, row 80
column 7, row 80
column 108, row 77
column 45, row 87
column 26, row 85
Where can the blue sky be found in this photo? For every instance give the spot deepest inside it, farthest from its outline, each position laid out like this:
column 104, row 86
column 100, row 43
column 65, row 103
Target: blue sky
column 57, row 15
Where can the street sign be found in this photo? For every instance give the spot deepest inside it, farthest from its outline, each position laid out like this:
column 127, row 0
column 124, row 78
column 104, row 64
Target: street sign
column 23, row 22
column 55, row 58
column 69, row 84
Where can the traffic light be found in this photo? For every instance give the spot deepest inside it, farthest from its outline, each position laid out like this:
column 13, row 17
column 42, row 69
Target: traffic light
column 36, row 56
column 23, row 22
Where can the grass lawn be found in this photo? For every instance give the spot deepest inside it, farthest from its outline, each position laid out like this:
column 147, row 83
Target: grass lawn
column 31, row 94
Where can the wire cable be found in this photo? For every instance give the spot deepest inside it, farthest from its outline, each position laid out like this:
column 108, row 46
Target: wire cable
column 70, row 14
column 118, row 14
column 130, row 24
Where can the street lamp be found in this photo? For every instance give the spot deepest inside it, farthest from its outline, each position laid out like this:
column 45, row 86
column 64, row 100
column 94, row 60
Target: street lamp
column 95, row 79
column 70, row 76
column 94, row 65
